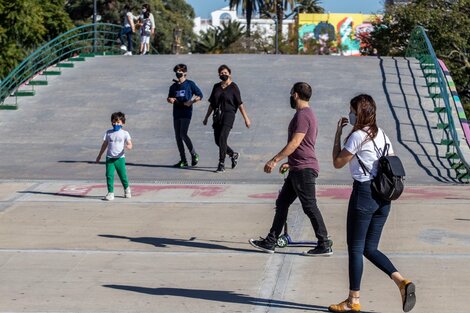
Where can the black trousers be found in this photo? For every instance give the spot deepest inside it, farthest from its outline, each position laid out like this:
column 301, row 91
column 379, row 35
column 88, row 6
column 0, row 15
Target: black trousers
column 181, row 126
column 221, row 133
column 299, row 184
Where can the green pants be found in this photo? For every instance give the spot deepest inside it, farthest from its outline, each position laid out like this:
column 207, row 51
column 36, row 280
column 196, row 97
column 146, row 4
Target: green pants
column 118, row 165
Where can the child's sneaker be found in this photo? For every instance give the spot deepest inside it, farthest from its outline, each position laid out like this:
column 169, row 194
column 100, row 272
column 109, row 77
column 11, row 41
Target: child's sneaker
column 263, row 245
column 194, row 159
column 181, row 164
column 109, row 196
column 127, row 193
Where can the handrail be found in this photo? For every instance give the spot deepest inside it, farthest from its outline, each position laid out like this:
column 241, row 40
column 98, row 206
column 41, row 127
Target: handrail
column 421, row 48
column 98, row 38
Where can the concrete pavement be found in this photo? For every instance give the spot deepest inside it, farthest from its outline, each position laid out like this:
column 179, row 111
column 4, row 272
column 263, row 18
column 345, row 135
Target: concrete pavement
column 183, row 248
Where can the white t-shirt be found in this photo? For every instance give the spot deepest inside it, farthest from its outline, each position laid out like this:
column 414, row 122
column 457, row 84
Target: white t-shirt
column 116, row 141
column 367, row 152
column 129, row 16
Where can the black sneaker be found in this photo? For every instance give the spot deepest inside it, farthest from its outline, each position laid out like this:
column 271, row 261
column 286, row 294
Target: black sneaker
column 263, row 245
column 194, row 159
column 320, row 250
column 234, row 158
column 220, row 168
column 181, row 164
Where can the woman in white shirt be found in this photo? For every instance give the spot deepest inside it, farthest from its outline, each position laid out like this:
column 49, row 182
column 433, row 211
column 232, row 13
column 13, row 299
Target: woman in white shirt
column 367, row 212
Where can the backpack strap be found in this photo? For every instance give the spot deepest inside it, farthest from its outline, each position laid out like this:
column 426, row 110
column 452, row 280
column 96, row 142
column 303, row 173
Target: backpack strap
column 384, row 152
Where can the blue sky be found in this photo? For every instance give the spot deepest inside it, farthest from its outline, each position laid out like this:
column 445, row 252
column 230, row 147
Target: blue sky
column 204, row 7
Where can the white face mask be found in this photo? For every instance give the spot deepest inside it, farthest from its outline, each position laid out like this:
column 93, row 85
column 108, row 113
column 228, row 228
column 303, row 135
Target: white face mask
column 352, row 118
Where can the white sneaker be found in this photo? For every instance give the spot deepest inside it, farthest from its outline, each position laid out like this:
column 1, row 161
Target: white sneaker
column 128, row 53
column 127, row 193
column 123, row 47
column 109, row 197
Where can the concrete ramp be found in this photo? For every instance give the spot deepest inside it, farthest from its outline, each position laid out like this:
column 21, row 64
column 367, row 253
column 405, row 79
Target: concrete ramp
column 57, row 134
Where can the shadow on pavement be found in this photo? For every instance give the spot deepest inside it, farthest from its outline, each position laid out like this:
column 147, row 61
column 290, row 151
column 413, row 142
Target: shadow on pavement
column 189, row 168
column 60, row 194
column 165, row 242
column 221, row 296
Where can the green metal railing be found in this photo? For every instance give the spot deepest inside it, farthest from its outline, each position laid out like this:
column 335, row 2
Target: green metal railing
column 86, row 40
column 420, row 47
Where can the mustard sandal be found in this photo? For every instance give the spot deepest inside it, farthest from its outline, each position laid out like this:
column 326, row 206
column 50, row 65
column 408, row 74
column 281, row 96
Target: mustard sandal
column 345, row 307
column 408, row 296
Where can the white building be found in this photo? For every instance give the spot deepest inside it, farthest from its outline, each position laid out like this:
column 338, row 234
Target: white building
column 265, row 27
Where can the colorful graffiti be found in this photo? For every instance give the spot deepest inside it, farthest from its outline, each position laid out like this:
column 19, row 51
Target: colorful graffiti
column 336, row 33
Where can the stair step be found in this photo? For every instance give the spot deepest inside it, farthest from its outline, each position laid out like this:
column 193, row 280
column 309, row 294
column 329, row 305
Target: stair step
column 8, row 107
column 38, row 83
column 87, row 55
column 427, row 66
column 77, row 59
column 452, row 156
column 439, row 109
column 51, row 73
column 433, row 75
column 464, row 175
column 435, row 95
column 24, row 93
column 442, row 126
column 433, row 84
column 65, row 65
column 457, row 166
column 447, row 142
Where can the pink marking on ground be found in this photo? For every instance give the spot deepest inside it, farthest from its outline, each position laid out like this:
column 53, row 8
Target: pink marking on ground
column 137, row 190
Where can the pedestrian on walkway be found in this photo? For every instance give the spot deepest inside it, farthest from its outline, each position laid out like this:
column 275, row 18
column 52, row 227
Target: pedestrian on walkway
column 148, row 30
column 127, row 30
column 367, row 212
column 115, row 140
column 182, row 95
column 303, row 168
column 224, row 101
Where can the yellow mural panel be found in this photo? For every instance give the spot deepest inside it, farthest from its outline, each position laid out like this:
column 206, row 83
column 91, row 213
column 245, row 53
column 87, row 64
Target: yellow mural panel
column 335, row 33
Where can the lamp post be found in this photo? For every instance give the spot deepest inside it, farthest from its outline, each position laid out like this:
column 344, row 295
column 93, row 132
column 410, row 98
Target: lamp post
column 94, row 26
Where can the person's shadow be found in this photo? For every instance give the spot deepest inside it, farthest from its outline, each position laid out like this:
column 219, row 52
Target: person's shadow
column 131, row 164
column 165, row 242
column 220, row 296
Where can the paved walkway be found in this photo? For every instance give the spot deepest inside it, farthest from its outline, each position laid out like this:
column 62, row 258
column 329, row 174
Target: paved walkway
column 183, row 248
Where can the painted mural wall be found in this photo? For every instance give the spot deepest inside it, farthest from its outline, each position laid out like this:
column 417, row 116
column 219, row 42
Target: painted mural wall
column 334, row 33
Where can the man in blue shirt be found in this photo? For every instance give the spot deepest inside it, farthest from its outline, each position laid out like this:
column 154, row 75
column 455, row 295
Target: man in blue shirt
column 183, row 94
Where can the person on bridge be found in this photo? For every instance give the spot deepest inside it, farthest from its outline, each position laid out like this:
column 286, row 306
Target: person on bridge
column 183, row 94
column 116, row 139
column 367, row 212
column 303, row 168
column 224, row 101
column 127, row 30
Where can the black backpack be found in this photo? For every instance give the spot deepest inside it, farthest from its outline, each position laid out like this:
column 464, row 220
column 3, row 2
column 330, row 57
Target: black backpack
column 389, row 182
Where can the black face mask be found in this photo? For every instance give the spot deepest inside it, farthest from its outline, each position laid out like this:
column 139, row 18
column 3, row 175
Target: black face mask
column 223, row 77
column 292, row 102
column 179, row 75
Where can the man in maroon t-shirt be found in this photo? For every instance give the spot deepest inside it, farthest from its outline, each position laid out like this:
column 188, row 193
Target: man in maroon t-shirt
column 303, row 169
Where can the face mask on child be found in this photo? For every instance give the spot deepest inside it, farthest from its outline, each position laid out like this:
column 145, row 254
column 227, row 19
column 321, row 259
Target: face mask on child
column 117, row 127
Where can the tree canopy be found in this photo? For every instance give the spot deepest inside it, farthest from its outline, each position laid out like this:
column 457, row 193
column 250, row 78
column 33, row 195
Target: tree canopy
column 26, row 24
column 446, row 23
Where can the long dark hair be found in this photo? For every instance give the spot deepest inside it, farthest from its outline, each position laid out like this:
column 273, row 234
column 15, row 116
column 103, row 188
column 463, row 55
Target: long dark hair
column 365, row 108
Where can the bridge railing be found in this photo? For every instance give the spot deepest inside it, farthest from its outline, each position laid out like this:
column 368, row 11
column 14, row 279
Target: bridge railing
column 420, row 47
column 91, row 39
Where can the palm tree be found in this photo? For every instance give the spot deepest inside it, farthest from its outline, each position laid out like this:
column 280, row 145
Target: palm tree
column 249, row 7
column 309, row 6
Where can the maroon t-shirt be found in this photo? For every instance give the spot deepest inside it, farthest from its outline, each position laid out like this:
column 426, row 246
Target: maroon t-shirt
column 304, row 121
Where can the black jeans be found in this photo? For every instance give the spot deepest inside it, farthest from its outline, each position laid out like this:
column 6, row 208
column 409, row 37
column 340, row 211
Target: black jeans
column 299, row 184
column 126, row 32
column 367, row 214
column 221, row 133
column 181, row 126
